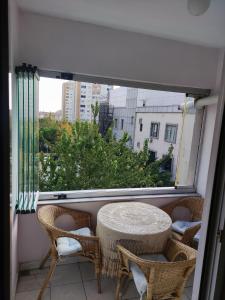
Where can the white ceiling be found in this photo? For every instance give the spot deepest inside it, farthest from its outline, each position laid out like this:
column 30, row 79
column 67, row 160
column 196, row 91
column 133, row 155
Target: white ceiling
column 163, row 18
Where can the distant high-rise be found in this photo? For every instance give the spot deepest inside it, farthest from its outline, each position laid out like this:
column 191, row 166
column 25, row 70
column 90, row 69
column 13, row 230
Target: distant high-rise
column 90, row 93
column 71, row 101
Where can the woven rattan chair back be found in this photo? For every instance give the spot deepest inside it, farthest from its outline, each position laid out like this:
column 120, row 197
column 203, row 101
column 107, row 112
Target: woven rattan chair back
column 194, row 204
column 47, row 216
column 164, row 279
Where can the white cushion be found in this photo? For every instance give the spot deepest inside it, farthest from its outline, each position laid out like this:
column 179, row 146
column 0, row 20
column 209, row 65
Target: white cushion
column 182, row 226
column 139, row 277
column 197, row 236
column 67, row 246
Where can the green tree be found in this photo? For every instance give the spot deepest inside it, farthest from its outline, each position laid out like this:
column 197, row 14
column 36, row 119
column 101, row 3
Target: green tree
column 80, row 158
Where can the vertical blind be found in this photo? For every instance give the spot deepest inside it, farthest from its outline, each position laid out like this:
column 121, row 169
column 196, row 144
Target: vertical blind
column 28, row 140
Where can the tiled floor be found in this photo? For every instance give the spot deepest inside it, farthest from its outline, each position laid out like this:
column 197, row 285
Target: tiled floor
column 75, row 281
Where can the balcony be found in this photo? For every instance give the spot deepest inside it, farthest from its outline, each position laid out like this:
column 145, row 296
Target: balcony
column 77, row 281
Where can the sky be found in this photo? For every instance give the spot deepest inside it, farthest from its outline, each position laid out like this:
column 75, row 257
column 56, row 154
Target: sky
column 50, row 94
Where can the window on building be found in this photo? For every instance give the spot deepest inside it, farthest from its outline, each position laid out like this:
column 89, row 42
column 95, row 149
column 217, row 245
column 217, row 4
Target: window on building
column 122, row 124
column 152, row 155
column 171, row 133
column 132, row 120
column 138, row 145
column 82, row 105
column 154, row 131
column 166, row 164
column 115, row 123
column 144, row 103
column 83, row 86
column 140, row 125
column 83, row 96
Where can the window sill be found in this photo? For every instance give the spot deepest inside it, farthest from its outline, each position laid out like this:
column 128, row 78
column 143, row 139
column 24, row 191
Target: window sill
column 114, row 198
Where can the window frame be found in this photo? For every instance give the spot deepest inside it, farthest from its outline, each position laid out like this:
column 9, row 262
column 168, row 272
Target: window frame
column 121, row 124
column 172, row 125
column 158, row 128
column 116, row 123
column 111, row 194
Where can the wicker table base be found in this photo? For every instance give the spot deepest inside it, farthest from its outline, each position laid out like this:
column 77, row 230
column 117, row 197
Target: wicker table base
column 137, row 226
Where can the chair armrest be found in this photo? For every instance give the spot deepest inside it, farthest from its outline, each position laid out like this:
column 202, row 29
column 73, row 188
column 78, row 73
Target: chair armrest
column 189, row 234
column 176, row 250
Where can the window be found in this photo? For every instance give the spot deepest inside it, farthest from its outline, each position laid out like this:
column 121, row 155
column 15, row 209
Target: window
column 140, row 125
column 144, row 103
column 166, row 164
column 122, row 124
column 171, row 133
column 102, row 148
column 83, row 96
column 152, row 155
column 115, row 123
column 154, row 131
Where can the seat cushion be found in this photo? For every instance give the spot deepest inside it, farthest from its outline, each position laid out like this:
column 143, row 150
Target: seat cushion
column 67, row 246
column 182, row 226
column 139, row 277
column 197, row 236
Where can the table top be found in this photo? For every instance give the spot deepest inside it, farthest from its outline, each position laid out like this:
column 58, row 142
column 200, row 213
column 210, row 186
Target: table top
column 135, row 218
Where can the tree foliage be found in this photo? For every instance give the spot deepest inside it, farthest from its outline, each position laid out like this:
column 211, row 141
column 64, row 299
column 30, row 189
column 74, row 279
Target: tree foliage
column 80, row 158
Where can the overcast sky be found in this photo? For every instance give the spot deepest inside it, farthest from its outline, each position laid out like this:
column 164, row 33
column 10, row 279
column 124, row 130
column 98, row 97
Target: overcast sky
column 50, row 94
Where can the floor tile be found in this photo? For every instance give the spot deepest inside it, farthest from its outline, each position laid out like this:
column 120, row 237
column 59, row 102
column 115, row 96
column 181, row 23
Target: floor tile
column 32, row 295
column 129, row 290
column 87, row 271
column 108, row 290
column 188, row 292
column 190, row 280
column 185, row 297
column 74, row 291
column 66, row 274
column 29, row 283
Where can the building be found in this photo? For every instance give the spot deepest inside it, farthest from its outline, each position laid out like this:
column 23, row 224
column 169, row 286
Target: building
column 105, row 117
column 90, row 93
column 125, row 103
column 150, row 115
column 71, row 101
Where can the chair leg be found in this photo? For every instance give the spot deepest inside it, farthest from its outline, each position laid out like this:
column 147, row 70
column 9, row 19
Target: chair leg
column 50, row 272
column 118, row 286
column 45, row 259
column 98, row 275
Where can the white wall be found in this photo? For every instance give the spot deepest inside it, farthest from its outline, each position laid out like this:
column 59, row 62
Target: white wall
column 159, row 145
column 61, row 45
column 34, row 242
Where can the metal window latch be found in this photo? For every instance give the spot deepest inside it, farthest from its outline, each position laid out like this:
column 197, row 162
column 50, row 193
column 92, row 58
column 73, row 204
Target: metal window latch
column 60, row 196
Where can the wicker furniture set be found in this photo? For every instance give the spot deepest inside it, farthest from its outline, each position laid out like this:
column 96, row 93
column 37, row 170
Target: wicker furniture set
column 158, row 273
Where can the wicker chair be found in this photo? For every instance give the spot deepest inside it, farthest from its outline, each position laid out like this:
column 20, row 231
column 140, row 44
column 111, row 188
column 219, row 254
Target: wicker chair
column 163, row 279
column 89, row 245
column 195, row 206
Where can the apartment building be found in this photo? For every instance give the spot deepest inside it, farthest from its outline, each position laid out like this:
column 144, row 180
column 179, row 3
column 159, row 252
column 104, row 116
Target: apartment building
column 90, row 93
column 124, row 101
column 70, row 101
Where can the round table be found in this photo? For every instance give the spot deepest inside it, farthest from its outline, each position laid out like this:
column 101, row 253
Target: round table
column 137, row 226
